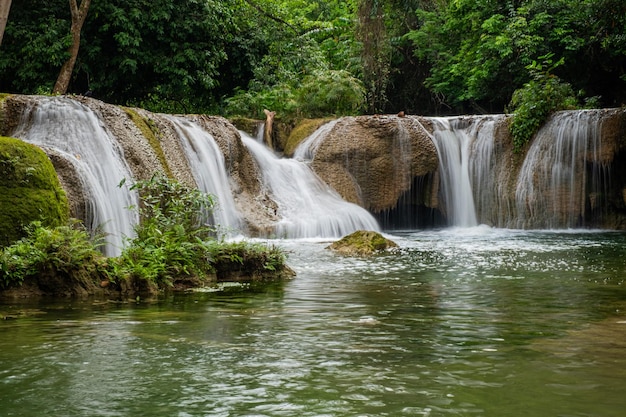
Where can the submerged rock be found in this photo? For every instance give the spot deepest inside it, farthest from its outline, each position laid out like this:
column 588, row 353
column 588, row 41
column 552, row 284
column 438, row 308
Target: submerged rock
column 362, row 242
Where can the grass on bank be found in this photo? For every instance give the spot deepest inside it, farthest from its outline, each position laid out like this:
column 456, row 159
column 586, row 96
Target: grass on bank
column 173, row 242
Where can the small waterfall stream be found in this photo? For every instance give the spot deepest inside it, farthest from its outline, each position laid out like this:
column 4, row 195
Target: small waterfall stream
column 209, row 171
column 75, row 131
column 555, row 179
column 453, row 148
column 552, row 189
column 309, row 208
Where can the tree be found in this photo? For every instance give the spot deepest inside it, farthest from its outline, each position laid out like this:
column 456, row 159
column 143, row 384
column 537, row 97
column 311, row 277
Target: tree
column 5, row 6
column 376, row 53
column 79, row 14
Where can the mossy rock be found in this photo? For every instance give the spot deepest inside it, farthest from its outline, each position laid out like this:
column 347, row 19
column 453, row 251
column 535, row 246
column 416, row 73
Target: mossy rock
column 29, row 190
column 361, row 243
column 249, row 126
column 303, row 130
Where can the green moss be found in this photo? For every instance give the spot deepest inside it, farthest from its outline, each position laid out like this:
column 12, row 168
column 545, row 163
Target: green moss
column 150, row 131
column 362, row 242
column 303, row 129
column 3, row 97
column 29, row 190
column 247, row 125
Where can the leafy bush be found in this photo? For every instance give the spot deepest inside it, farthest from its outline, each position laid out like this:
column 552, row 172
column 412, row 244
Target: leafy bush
column 252, row 256
column 171, row 237
column 531, row 105
column 330, row 92
column 63, row 250
column 172, row 241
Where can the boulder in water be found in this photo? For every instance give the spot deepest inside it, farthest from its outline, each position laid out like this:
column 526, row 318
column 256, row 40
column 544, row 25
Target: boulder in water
column 362, row 242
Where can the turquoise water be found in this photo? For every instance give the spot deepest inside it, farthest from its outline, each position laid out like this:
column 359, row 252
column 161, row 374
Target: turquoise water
column 466, row 322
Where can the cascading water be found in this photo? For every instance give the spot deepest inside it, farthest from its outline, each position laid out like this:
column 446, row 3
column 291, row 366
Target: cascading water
column 308, row 207
column 472, row 191
column 555, row 179
column 453, row 149
column 74, row 130
column 209, row 171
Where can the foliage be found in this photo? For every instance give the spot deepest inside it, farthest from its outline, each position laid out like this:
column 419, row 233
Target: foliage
column 330, row 93
column 541, row 96
column 252, row 257
column 61, row 250
column 479, row 50
column 174, row 240
column 242, row 56
column 171, row 236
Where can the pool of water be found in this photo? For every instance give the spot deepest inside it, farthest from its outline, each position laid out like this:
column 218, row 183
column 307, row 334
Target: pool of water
column 465, row 322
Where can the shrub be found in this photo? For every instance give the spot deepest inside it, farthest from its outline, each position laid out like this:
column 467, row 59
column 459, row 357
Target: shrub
column 531, row 105
column 172, row 234
column 330, row 92
column 66, row 251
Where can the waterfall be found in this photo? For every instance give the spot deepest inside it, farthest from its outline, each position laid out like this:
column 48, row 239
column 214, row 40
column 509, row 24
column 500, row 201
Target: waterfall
column 74, row 131
column 554, row 181
column 308, row 206
column 453, row 149
column 471, row 192
column 209, row 170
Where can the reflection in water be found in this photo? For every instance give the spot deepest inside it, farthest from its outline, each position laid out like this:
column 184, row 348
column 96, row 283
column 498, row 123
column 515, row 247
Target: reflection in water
column 463, row 322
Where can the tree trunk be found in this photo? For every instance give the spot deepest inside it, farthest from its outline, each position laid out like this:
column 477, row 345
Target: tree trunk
column 268, row 133
column 5, row 6
column 78, row 19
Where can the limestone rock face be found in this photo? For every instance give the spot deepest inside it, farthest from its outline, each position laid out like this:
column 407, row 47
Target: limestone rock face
column 150, row 144
column 373, row 160
column 251, row 197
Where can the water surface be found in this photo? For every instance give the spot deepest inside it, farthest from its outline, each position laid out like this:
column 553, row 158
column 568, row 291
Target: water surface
column 465, row 322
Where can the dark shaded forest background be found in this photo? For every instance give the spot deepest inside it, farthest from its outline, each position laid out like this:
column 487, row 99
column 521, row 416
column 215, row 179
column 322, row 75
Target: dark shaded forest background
column 309, row 58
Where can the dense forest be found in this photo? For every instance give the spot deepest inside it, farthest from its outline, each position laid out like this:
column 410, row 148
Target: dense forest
column 321, row 57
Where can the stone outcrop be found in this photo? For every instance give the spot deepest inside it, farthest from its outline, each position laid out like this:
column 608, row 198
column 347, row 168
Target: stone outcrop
column 362, row 243
column 29, row 190
column 373, row 160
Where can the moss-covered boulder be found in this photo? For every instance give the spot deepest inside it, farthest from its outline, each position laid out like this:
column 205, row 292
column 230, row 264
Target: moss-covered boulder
column 362, row 243
column 301, row 131
column 29, row 190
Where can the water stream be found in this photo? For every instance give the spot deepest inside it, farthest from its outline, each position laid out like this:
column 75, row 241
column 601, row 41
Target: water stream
column 75, row 131
column 308, row 207
column 209, row 171
column 462, row 322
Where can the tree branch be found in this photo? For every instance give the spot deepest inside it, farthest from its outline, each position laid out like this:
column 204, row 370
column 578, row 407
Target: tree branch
column 271, row 16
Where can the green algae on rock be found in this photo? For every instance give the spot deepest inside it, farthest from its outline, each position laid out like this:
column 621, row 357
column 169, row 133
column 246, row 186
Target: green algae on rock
column 361, row 243
column 29, row 190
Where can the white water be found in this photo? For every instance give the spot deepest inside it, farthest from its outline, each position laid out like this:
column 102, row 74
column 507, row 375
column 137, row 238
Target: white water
column 453, row 150
column 209, row 170
column 552, row 183
column 308, row 206
column 75, row 131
